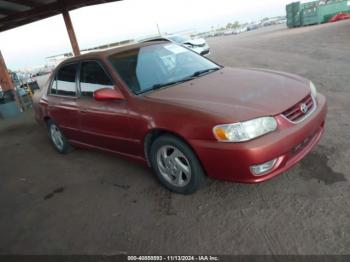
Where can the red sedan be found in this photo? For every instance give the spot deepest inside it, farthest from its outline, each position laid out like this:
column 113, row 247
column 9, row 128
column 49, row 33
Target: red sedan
column 182, row 114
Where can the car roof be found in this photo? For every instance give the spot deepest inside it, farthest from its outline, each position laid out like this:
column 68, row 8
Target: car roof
column 154, row 38
column 101, row 54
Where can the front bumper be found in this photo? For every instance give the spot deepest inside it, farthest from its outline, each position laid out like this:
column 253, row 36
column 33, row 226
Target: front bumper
column 289, row 144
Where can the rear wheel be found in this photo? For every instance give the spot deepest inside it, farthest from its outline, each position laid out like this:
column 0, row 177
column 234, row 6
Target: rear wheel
column 175, row 164
column 59, row 141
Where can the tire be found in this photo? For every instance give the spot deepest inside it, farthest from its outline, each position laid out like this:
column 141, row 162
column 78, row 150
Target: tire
column 57, row 138
column 176, row 165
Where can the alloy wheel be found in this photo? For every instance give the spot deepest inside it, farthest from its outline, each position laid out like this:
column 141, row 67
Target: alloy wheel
column 174, row 166
column 56, row 137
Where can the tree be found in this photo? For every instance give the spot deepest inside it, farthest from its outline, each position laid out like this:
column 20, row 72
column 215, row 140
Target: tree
column 236, row 25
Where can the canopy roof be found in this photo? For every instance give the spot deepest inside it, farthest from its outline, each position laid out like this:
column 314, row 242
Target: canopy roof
column 14, row 13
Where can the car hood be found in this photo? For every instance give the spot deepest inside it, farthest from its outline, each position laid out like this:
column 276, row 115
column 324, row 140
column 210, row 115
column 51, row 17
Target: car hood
column 237, row 94
column 198, row 41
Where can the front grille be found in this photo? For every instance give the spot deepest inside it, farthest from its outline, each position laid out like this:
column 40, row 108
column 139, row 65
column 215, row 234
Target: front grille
column 300, row 110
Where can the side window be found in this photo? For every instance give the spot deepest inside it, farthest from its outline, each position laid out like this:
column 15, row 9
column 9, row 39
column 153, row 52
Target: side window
column 65, row 80
column 53, row 88
column 93, row 77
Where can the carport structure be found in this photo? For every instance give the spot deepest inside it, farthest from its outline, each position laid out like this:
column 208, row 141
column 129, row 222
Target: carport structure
column 15, row 13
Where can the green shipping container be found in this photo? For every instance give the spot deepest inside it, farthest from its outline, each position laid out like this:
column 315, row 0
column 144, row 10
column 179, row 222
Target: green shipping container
column 309, row 20
column 293, row 14
column 293, row 7
column 326, row 12
column 315, row 12
column 310, row 5
column 297, row 20
column 309, row 16
column 309, row 12
column 290, row 23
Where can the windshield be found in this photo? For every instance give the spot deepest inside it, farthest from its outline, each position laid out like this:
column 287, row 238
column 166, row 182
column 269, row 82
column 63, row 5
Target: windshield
column 151, row 67
column 178, row 39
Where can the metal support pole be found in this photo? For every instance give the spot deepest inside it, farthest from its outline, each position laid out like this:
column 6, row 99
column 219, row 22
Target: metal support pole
column 158, row 30
column 71, row 33
column 5, row 79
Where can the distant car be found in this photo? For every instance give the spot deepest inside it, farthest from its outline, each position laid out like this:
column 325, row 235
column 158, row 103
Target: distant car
column 253, row 27
column 244, row 29
column 183, row 115
column 199, row 45
column 41, row 73
column 218, row 33
column 236, row 31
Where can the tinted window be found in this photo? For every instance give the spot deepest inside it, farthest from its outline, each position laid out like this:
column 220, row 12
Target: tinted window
column 145, row 68
column 66, row 80
column 93, row 77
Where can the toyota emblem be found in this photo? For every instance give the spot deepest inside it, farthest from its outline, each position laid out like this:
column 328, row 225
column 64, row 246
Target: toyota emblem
column 303, row 108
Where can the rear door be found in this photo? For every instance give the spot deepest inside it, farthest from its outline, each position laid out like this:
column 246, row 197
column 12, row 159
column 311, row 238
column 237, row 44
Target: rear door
column 104, row 124
column 62, row 100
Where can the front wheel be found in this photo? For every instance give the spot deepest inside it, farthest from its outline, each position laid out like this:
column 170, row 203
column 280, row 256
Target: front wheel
column 176, row 166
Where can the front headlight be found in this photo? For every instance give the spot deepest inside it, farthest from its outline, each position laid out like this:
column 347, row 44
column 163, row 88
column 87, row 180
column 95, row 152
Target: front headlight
column 244, row 131
column 313, row 90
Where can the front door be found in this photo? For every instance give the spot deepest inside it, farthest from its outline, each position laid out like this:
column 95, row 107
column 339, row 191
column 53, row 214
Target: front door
column 103, row 124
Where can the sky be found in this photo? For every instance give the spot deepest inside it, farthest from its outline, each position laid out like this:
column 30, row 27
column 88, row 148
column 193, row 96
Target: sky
column 28, row 46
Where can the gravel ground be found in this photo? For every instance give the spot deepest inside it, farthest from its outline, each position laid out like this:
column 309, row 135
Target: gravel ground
column 93, row 203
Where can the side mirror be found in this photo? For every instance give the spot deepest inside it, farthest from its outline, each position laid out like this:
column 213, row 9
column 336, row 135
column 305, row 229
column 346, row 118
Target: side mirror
column 108, row 94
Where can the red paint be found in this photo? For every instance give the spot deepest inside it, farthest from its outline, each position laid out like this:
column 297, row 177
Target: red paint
column 108, row 94
column 190, row 111
column 339, row 17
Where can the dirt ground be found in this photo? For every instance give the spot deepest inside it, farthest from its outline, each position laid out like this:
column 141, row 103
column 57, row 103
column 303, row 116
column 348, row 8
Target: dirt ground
column 94, row 203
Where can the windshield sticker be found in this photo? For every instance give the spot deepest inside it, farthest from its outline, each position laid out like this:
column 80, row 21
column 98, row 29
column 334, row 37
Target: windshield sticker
column 175, row 49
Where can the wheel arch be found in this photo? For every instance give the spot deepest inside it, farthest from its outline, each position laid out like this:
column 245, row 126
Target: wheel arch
column 153, row 134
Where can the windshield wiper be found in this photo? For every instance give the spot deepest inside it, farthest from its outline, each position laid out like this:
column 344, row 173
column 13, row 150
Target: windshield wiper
column 194, row 75
column 205, row 71
column 158, row 86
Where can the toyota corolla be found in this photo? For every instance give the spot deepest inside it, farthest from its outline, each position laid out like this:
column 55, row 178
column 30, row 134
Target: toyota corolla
column 182, row 114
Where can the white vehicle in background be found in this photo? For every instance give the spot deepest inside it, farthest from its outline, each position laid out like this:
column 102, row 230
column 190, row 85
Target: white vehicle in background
column 239, row 30
column 235, row 31
column 199, row 45
column 243, row 29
